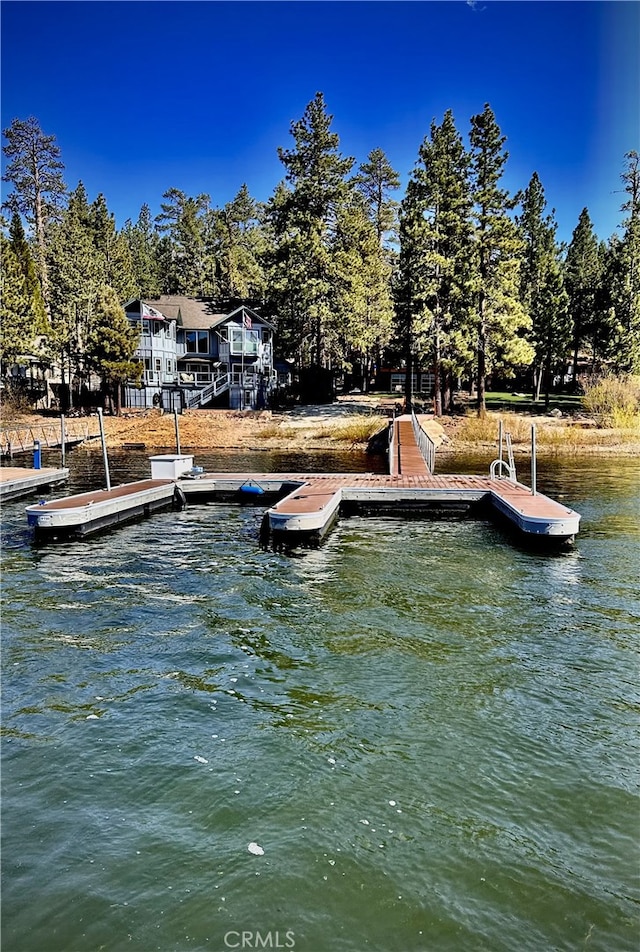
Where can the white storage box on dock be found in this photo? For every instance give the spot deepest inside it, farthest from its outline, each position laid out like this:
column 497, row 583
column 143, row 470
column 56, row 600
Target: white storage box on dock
column 170, row 466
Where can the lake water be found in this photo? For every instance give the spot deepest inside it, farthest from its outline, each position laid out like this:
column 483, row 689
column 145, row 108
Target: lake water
column 431, row 733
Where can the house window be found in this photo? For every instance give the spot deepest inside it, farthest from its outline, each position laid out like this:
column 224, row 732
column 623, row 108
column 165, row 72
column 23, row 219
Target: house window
column 398, row 382
column 427, row 383
column 240, row 336
column 145, row 327
column 196, row 342
column 265, row 335
column 157, row 362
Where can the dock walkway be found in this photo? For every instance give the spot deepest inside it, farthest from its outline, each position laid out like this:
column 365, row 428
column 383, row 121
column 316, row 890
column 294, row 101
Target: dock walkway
column 15, row 440
column 17, row 481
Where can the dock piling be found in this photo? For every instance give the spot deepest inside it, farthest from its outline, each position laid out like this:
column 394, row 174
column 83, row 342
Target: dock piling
column 104, row 449
column 533, row 460
column 177, row 426
column 63, row 440
column 37, row 455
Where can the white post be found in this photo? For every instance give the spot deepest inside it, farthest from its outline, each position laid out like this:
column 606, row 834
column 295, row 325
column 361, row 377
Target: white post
column 104, row 449
column 242, row 365
column 63, row 439
column 533, row 460
column 175, row 420
column 500, row 447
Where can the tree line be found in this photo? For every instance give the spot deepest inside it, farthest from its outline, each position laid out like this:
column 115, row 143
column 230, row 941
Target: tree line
column 458, row 276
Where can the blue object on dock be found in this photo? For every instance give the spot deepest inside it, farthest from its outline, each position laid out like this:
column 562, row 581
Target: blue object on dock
column 251, row 490
column 37, row 455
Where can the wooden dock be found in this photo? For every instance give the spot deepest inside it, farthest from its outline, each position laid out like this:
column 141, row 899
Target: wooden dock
column 90, row 512
column 304, row 507
column 17, row 481
column 312, row 503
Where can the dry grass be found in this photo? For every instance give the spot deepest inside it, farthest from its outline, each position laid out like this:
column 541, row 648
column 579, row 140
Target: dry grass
column 277, row 431
column 551, row 434
column 358, row 428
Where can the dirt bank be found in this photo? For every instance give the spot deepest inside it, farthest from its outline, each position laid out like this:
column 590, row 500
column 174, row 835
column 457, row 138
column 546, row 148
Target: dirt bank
column 348, row 423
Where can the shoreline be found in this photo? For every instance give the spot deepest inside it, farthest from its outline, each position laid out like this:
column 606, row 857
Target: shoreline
column 347, row 425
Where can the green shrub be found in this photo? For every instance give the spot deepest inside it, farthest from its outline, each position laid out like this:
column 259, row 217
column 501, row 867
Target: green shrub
column 613, row 401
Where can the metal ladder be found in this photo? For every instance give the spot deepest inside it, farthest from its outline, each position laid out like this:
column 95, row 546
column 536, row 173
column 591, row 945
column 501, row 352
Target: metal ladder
column 500, row 464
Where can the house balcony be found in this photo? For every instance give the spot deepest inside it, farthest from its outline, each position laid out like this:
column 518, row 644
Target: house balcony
column 158, row 378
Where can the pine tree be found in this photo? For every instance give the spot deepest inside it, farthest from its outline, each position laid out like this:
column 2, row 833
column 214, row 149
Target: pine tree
column 502, row 322
column 285, row 271
column 34, row 170
column 111, row 345
column 316, row 174
column 624, row 279
column 116, row 265
column 182, row 220
column 542, row 287
column 76, row 275
column 17, row 332
column 582, row 280
column 436, row 255
column 376, row 179
column 22, row 251
column 363, row 311
column 239, row 249
column 142, row 241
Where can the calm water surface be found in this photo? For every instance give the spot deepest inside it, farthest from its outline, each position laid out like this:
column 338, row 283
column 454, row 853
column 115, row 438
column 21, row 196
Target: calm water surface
column 431, row 733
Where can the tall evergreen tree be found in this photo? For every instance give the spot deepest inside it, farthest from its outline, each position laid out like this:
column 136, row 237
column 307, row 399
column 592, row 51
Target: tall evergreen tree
column 22, row 251
column 624, row 278
column 34, row 169
column 17, row 328
column 435, row 260
column 182, row 220
column 112, row 250
column 363, row 307
column 76, row 276
column 142, row 241
column 111, row 345
column 376, row 179
column 582, row 280
column 316, row 174
column 285, row 270
column 239, row 249
column 541, row 287
column 502, row 322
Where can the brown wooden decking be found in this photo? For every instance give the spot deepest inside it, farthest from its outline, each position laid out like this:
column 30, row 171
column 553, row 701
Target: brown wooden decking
column 317, row 489
column 409, row 458
column 16, row 481
column 9, row 473
column 102, row 495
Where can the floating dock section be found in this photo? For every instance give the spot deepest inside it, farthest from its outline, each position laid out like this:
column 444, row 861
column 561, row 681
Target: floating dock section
column 304, row 507
column 86, row 513
column 17, row 481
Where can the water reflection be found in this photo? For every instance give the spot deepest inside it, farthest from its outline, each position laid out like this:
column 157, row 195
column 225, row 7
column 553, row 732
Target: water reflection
column 432, row 734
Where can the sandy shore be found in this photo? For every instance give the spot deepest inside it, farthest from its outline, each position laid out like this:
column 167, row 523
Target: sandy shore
column 347, row 424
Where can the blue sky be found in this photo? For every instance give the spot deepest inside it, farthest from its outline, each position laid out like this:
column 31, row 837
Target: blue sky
column 144, row 96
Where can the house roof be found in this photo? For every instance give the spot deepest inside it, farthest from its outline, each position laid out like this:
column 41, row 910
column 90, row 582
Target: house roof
column 198, row 313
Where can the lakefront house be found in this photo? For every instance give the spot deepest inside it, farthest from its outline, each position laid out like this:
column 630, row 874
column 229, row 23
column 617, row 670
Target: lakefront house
column 195, row 356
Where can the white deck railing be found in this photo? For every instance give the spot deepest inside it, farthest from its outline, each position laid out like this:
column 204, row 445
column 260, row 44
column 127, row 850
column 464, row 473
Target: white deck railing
column 219, row 385
column 425, row 444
